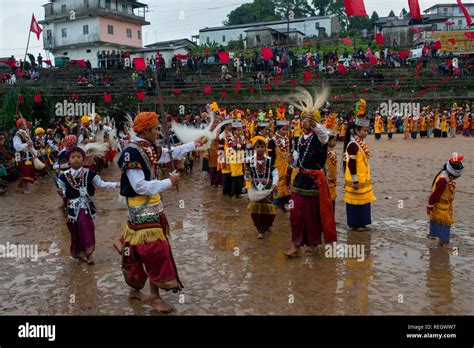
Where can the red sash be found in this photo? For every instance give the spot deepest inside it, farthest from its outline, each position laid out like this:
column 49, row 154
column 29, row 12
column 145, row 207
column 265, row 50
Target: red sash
column 325, row 204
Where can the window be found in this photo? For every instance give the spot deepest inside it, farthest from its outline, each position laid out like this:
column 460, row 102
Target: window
column 88, row 51
column 64, row 32
column 445, row 9
column 208, row 41
column 107, row 4
column 63, row 8
column 241, row 36
column 460, row 22
column 258, row 38
column 223, row 38
column 85, row 29
column 124, row 8
column 129, row 33
column 86, row 3
column 316, row 25
column 110, row 29
column 139, row 35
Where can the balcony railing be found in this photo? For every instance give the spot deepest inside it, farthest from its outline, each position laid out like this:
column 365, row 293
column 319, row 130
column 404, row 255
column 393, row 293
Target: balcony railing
column 50, row 14
column 53, row 42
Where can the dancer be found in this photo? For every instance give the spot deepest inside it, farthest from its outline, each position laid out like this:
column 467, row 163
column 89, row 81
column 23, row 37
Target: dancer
column 358, row 186
column 25, row 154
column 311, row 215
column 145, row 248
column 77, row 187
column 331, row 168
column 263, row 174
column 237, row 146
column 440, row 203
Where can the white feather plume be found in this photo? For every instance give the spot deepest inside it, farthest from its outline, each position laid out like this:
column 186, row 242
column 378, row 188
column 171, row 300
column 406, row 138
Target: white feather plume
column 96, row 149
column 187, row 134
column 304, row 101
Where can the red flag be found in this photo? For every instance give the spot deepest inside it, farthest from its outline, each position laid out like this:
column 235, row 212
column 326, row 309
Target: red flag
column 251, row 89
column 379, row 40
column 437, row 44
column 10, row 63
column 21, row 99
column 35, row 28
column 238, row 85
column 416, row 29
column 404, row 54
column 347, row 40
column 81, row 62
column 379, row 88
column 75, row 96
column 47, row 62
column 269, row 87
column 466, row 13
column 181, row 56
column 224, row 94
column 355, row 8
column 373, row 60
column 341, row 69
column 139, row 64
column 452, row 41
column 223, row 57
column 469, row 35
column 266, row 53
column 140, row 96
column 108, row 98
column 37, row 98
column 207, row 89
column 414, row 9
column 294, row 83
column 307, row 76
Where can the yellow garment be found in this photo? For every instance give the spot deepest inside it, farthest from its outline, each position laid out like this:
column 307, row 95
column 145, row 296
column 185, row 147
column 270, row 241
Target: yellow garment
column 343, row 130
column 378, row 125
column 423, row 123
column 282, row 166
column 444, row 124
column 236, row 158
column 365, row 193
column 296, row 129
column 331, row 169
column 389, row 125
column 443, row 210
column 145, row 235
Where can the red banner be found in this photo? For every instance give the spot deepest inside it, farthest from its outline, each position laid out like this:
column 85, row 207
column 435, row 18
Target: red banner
column 266, row 53
column 414, row 9
column 107, row 98
column 11, row 63
column 379, row 40
column 207, row 89
column 140, row 96
column 466, row 13
column 139, row 64
column 37, row 98
column 223, row 57
column 355, row 8
column 347, row 40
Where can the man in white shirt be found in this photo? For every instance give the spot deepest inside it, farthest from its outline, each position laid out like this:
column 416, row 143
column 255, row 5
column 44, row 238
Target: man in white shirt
column 145, row 248
column 25, row 154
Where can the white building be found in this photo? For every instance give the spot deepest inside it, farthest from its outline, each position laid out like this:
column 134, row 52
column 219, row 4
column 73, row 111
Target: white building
column 454, row 14
column 78, row 29
column 310, row 26
column 168, row 49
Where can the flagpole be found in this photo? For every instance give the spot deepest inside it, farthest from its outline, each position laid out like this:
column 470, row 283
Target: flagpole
column 28, row 43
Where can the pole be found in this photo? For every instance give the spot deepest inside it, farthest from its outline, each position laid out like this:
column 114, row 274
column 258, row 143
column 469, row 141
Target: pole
column 164, row 121
column 21, row 68
column 288, row 22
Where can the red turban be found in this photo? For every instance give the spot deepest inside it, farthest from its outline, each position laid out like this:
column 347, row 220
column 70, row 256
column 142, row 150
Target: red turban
column 19, row 122
column 70, row 140
column 145, row 121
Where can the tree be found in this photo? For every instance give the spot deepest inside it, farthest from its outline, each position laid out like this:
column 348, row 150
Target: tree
column 404, row 12
column 322, row 6
column 300, row 8
column 374, row 18
column 391, row 14
column 257, row 11
column 338, row 9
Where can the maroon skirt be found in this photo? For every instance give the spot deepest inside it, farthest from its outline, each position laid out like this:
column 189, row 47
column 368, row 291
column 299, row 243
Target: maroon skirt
column 216, row 176
column 82, row 235
column 27, row 172
column 305, row 220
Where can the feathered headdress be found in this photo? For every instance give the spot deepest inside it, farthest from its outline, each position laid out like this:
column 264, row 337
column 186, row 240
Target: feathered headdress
column 308, row 104
column 359, row 110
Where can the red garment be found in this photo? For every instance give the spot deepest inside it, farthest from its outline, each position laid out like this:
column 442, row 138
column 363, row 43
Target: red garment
column 438, row 191
column 304, row 220
column 325, row 203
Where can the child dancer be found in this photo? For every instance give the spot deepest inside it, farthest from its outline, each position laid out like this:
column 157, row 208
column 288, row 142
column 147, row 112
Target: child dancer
column 237, row 144
column 78, row 186
column 264, row 177
column 440, row 203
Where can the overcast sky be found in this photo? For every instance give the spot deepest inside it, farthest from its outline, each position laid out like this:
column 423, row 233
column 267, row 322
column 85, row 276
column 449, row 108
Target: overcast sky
column 170, row 19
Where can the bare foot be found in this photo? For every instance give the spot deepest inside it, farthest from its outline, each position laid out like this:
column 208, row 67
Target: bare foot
column 260, row 236
column 430, row 237
column 293, row 251
column 138, row 295
column 90, row 259
column 118, row 247
column 26, row 192
column 161, row 306
column 447, row 246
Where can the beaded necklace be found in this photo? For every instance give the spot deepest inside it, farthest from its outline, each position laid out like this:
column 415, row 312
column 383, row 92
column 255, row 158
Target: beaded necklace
column 305, row 143
column 332, row 157
column 363, row 145
column 282, row 142
column 150, row 152
column 259, row 170
column 79, row 182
